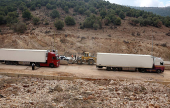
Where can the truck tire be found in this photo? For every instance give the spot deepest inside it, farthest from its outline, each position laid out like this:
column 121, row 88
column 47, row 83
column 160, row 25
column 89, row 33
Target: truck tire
column 158, row 71
column 114, row 69
column 108, row 68
column 79, row 61
column 52, row 65
column 37, row 64
column 142, row 70
column 91, row 62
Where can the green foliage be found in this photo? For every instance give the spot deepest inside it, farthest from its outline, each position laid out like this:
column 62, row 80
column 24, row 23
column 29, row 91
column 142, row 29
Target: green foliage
column 118, row 21
column 48, row 6
column 69, row 21
column 81, row 10
column 12, row 14
column 122, row 15
column 32, row 7
column 66, row 9
column 134, row 21
column 144, row 16
column 39, row 5
column 22, row 6
column 107, row 21
column 103, row 13
column 88, row 23
column 55, row 14
column 59, row 24
column 92, row 9
column 2, row 13
column 88, row 13
column 95, row 26
column 11, row 20
column 20, row 27
column 36, row 20
column 26, row 14
column 2, row 20
column 167, row 23
column 158, row 23
column 46, row 22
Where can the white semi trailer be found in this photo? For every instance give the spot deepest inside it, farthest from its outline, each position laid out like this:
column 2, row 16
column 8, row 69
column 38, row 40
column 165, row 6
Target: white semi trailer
column 118, row 62
column 25, row 56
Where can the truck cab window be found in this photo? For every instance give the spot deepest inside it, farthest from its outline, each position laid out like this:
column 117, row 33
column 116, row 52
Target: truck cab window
column 53, row 58
column 161, row 63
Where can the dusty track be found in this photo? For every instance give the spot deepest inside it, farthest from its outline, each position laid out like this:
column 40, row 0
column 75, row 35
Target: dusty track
column 81, row 71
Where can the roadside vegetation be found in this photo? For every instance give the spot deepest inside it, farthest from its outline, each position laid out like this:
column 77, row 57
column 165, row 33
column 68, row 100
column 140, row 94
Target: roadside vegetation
column 95, row 11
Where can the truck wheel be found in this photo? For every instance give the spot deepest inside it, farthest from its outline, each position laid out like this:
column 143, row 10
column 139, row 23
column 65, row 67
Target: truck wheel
column 15, row 63
column 114, row 69
column 91, row 62
column 142, row 70
column 79, row 62
column 108, row 68
column 158, row 71
column 52, row 65
column 37, row 64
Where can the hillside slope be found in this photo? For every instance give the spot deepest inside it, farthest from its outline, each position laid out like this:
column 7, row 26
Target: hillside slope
column 124, row 38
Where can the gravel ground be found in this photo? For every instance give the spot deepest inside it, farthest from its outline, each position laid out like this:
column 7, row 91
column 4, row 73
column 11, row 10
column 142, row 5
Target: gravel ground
column 33, row 92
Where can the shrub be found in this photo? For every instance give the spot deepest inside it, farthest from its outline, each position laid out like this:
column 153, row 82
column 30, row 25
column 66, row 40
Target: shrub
column 36, row 20
column 46, row 22
column 122, row 15
column 48, row 6
column 32, row 7
column 66, row 9
column 59, row 24
column 11, row 20
column 95, row 26
column 69, row 20
column 118, row 21
column 55, row 14
column 2, row 13
column 158, row 23
column 134, row 22
column 107, row 21
column 103, row 13
column 81, row 10
column 2, row 20
column 92, row 9
column 26, row 14
column 87, row 13
column 20, row 27
column 39, row 5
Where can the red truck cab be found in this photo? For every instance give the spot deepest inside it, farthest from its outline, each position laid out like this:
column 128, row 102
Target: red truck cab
column 52, row 60
column 158, row 66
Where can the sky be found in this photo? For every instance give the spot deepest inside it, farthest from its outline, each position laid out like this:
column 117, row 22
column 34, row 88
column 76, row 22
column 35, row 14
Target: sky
column 142, row 3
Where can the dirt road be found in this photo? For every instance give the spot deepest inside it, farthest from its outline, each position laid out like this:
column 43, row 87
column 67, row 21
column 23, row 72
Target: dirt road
column 83, row 71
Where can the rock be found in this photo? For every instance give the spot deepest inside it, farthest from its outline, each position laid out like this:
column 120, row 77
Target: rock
column 58, row 88
column 50, row 90
column 87, row 92
column 1, row 96
column 132, row 98
column 26, row 85
column 54, row 104
column 31, row 102
column 157, row 106
column 78, row 97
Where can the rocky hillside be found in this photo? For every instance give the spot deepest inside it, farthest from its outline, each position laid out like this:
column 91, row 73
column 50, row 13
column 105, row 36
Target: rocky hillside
column 104, row 30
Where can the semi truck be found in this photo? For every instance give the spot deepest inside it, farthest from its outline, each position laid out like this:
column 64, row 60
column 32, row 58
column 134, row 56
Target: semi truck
column 136, row 62
column 29, row 56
